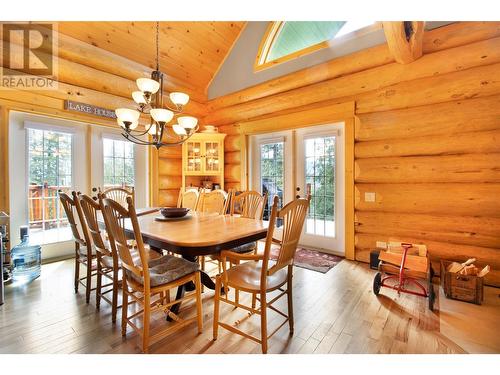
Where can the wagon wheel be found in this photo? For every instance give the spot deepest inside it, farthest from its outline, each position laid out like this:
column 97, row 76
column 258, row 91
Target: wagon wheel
column 432, row 297
column 430, row 287
column 377, row 283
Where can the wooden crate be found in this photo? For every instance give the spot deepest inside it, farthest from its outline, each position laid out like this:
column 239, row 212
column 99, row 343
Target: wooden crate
column 461, row 287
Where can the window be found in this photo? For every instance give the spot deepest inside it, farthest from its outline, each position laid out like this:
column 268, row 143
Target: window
column 320, row 181
column 50, row 169
column 285, row 40
column 118, row 163
column 272, row 174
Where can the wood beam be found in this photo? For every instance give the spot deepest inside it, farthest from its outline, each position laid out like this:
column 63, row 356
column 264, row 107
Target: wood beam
column 404, row 39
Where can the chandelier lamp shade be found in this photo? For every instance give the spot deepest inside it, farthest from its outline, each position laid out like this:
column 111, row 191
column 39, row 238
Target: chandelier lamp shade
column 149, row 100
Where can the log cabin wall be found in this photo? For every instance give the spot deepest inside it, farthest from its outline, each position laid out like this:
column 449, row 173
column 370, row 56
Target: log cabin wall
column 427, row 138
column 95, row 76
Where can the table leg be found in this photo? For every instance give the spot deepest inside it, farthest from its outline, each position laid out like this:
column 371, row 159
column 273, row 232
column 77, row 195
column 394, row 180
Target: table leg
column 205, row 280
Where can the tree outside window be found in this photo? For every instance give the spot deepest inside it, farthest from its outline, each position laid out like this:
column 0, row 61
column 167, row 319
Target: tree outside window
column 118, row 163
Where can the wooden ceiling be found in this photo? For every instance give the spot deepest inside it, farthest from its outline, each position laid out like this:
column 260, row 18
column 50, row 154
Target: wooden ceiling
column 189, row 51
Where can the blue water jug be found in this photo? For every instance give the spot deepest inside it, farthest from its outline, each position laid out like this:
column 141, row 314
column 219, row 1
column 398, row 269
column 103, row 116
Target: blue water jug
column 26, row 259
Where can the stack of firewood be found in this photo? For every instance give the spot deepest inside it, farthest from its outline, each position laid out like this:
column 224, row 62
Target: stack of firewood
column 468, row 268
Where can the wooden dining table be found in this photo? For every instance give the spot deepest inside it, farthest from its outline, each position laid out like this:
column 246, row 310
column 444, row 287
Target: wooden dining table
column 196, row 234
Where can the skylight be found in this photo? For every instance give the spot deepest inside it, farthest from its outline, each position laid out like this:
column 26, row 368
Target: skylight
column 285, row 40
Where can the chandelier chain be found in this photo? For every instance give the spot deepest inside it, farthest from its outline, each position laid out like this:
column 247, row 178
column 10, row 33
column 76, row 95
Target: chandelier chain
column 158, row 45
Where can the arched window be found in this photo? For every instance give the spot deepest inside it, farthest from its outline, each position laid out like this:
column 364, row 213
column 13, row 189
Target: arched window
column 286, row 40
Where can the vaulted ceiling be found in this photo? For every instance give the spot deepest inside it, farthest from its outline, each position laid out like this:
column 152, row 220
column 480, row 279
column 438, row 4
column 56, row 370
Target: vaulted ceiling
column 189, row 51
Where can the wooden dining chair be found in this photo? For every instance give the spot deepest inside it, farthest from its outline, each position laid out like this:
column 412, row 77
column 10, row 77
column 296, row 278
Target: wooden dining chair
column 216, row 201
column 249, row 204
column 264, row 275
column 188, row 198
column 118, row 194
column 84, row 253
column 108, row 265
column 144, row 278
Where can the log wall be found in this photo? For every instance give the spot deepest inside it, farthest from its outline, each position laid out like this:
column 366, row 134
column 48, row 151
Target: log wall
column 426, row 139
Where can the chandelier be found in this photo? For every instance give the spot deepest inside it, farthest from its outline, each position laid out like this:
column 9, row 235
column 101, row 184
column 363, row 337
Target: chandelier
column 149, row 99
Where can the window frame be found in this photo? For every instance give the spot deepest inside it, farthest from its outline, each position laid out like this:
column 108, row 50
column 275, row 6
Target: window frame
column 275, row 27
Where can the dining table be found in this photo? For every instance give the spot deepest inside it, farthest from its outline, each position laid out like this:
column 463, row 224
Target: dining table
column 194, row 235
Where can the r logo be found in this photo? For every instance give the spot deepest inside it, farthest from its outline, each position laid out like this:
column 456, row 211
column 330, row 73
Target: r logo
column 28, row 49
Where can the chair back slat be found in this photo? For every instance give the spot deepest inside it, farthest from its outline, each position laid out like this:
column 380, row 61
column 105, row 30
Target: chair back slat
column 68, row 206
column 188, row 199
column 91, row 209
column 115, row 216
column 250, row 204
column 83, row 222
column 213, row 202
column 119, row 194
column 293, row 216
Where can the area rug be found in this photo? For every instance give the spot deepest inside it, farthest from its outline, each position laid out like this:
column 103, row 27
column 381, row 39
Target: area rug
column 311, row 259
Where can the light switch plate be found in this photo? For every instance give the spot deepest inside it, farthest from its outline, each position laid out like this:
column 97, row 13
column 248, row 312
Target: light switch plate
column 381, row 245
column 369, row 197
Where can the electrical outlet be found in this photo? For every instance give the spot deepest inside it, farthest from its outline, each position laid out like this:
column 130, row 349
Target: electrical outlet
column 370, row 197
column 381, row 245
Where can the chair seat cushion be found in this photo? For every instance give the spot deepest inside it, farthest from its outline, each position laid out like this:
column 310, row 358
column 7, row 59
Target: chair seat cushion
column 246, row 276
column 166, row 269
column 245, row 248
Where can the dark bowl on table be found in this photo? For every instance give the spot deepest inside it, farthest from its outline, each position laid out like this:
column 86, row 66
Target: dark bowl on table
column 171, row 212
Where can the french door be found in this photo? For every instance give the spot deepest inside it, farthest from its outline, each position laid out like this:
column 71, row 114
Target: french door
column 305, row 161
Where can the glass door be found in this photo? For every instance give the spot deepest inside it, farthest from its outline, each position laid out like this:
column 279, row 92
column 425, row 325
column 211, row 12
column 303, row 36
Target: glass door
column 320, row 169
column 193, row 156
column 212, row 156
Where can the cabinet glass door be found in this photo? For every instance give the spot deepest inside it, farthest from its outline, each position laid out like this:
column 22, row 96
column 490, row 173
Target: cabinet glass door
column 212, row 156
column 194, row 156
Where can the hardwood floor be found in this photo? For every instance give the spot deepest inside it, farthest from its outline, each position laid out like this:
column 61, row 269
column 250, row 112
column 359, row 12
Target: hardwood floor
column 335, row 312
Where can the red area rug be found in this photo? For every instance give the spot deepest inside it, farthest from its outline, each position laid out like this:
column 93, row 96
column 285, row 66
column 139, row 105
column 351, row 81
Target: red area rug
column 312, row 259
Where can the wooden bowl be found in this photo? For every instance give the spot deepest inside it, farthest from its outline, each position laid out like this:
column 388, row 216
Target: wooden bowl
column 170, row 212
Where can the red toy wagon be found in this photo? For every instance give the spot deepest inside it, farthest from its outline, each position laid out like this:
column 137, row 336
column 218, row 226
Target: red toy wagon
column 402, row 267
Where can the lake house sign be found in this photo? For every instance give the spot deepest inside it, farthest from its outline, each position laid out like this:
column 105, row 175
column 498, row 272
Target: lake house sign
column 70, row 105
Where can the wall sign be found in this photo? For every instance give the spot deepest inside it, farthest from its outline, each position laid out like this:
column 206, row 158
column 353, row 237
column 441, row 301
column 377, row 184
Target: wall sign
column 70, row 105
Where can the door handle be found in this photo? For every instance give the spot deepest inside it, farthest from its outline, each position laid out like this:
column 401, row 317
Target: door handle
column 298, row 189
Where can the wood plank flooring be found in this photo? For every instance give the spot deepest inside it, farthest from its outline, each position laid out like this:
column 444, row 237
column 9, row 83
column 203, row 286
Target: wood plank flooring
column 335, row 312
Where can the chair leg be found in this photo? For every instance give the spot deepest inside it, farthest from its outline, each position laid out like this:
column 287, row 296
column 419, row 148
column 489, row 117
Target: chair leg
column 199, row 311
column 77, row 273
column 145, row 325
column 124, row 306
column 202, row 261
column 88, row 283
column 290, row 299
column 263, row 322
column 216, row 306
column 236, row 297
column 254, row 300
column 114, row 305
column 98, row 286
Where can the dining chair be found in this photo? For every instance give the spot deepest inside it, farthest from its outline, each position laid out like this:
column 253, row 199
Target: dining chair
column 216, row 201
column 144, row 279
column 108, row 265
column 188, row 198
column 84, row 252
column 263, row 275
column 248, row 204
column 118, row 194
